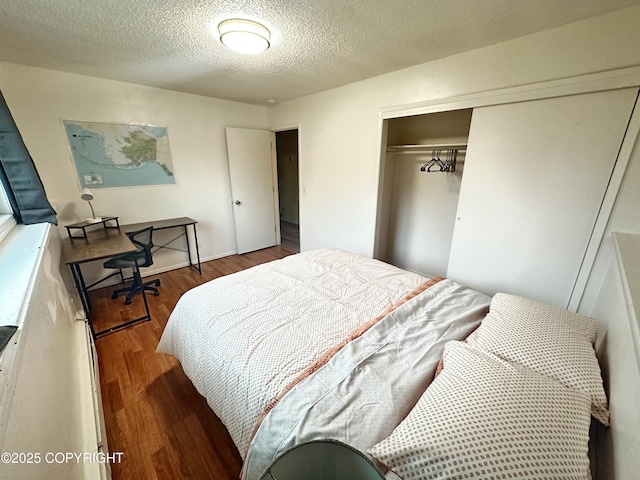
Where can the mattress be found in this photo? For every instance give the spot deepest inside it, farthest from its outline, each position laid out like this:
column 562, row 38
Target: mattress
column 275, row 347
column 243, row 337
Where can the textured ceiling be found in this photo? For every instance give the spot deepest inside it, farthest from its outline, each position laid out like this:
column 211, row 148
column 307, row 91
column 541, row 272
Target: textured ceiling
column 315, row 44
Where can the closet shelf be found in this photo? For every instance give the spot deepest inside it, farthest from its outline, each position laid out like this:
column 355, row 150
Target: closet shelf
column 424, row 148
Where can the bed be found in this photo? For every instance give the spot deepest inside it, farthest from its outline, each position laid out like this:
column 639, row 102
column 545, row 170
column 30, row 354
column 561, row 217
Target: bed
column 329, row 344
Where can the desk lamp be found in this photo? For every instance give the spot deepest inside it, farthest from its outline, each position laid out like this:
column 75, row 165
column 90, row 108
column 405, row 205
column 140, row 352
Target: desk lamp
column 88, row 196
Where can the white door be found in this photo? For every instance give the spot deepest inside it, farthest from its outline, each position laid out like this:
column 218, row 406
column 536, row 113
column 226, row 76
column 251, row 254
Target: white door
column 252, row 190
column 535, row 175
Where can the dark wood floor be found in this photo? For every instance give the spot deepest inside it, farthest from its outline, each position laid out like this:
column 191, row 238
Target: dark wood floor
column 153, row 414
column 290, row 235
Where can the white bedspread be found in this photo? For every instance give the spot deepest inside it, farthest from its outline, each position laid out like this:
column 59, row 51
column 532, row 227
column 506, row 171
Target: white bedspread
column 370, row 385
column 243, row 337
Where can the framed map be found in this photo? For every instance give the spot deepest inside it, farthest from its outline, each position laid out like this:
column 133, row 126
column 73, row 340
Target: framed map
column 119, row 155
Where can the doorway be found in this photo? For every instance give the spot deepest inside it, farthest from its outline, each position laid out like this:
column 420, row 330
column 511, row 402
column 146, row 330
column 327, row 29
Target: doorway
column 288, row 188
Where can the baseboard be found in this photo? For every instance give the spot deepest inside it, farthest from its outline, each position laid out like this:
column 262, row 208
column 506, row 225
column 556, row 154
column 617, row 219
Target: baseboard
column 167, row 268
column 156, row 270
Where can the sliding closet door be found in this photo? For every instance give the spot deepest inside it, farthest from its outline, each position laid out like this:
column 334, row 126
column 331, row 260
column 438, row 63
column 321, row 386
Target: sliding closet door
column 535, row 176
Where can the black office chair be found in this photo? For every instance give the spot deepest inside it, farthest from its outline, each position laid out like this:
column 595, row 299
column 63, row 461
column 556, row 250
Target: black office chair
column 140, row 258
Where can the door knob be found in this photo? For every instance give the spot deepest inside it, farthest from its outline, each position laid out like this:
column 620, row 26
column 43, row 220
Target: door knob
column 238, row 202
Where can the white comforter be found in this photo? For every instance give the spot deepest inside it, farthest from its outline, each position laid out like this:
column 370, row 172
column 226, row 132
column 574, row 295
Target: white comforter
column 371, row 384
column 243, row 337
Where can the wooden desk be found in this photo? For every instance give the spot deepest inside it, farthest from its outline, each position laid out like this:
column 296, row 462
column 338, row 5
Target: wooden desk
column 97, row 245
column 178, row 222
column 108, row 242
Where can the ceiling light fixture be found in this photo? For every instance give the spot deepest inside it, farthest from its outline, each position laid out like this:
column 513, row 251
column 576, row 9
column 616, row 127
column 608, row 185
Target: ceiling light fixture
column 244, row 36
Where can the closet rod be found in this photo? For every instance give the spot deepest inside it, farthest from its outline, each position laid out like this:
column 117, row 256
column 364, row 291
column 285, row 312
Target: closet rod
column 461, row 147
column 424, row 152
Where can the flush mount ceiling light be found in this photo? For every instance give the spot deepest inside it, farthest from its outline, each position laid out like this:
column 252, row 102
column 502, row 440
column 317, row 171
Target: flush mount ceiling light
column 244, row 36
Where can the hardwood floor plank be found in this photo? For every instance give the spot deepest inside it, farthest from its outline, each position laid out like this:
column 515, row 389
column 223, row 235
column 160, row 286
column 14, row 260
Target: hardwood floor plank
column 290, row 234
column 163, row 464
column 153, row 413
column 125, row 438
column 111, row 395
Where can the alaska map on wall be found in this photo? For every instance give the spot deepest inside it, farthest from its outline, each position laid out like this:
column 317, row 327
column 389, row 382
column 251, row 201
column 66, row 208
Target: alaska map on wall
column 119, row 155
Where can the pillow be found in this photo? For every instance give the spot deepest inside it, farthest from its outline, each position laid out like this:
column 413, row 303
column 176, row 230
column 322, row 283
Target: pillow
column 484, row 417
column 532, row 312
column 548, row 339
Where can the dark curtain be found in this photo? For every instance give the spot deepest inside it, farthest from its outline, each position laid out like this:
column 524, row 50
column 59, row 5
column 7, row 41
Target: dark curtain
column 19, row 176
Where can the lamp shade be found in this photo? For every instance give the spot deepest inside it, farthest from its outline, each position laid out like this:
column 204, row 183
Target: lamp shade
column 244, row 36
column 86, row 195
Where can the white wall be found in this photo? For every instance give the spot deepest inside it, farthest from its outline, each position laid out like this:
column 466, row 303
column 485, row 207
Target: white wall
column 618, row 348
column 40, row 99
column 625, row 217
column 48, row 407
column 340, row 128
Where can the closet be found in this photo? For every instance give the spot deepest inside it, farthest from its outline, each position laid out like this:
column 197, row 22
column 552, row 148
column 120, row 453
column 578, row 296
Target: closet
column 419, row 210
column 519, row 213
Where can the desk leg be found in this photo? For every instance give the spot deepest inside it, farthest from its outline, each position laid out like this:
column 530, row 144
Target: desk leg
column 76, row 272
column 195, row 237
column 186, row 240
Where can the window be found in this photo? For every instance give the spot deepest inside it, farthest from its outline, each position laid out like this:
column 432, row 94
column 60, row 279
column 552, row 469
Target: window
column 21, row 250
column 7, row 222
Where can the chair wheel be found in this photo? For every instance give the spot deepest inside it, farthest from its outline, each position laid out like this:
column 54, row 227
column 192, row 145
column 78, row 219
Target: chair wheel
column 157, row 283
column 127, row 301
column 156, row 293
column 114, row 296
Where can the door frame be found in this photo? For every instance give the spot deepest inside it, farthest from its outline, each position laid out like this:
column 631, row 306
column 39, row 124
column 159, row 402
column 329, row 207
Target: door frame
column 602, row 81
column 274, row 165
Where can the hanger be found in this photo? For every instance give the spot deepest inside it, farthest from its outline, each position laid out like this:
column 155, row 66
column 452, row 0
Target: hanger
column 451, row 161
column 437, row 165
column 436, row 162
column 430, row 163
